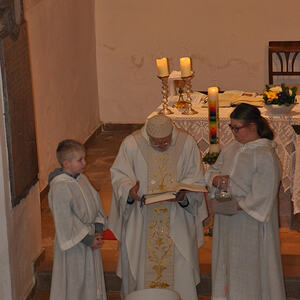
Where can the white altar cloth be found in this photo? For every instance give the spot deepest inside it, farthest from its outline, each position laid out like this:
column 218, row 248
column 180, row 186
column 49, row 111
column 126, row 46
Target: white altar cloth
column 285, row 138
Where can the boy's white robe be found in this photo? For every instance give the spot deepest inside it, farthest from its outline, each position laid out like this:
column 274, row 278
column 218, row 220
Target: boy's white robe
column 128, row 221
column 246, row 248
column 77, row 269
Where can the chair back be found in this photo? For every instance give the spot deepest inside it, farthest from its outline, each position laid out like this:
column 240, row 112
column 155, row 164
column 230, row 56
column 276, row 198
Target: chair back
column 153, row 294
column 286, row 52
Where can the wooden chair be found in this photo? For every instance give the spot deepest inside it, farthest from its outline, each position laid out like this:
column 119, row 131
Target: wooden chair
column 286, row 52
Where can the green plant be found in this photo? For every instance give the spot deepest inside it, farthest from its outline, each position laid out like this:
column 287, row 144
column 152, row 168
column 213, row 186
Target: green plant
column 210, row 158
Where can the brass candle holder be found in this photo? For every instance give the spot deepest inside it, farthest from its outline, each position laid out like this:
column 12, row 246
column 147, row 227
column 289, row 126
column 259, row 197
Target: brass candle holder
column 188, row 83
column 165, row 110
column 181, row 103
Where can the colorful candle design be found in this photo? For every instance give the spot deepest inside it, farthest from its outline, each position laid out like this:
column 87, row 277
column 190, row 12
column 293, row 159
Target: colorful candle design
column 213, row 118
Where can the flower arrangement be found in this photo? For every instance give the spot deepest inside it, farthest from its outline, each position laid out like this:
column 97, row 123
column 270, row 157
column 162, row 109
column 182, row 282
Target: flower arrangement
column 210, row 157
column 280, row 95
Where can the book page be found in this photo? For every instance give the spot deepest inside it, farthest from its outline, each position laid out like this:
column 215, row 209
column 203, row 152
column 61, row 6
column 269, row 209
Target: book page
column 172, row 190
column 153, row 198
column 177, row 186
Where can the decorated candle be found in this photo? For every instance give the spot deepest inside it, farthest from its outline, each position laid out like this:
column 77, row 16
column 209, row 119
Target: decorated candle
column 162, row 67
column 185, row 66
column 214, row 148
column 213, row 118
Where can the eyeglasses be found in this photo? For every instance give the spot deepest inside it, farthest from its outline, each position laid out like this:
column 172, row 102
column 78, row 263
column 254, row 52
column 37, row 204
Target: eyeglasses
column 236, row 129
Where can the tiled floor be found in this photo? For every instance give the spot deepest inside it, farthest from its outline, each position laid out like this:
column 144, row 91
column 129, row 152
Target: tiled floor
column 101, row 152
column 110, row 296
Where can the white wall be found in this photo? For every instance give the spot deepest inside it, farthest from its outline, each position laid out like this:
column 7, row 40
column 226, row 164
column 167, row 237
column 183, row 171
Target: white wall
column 25, row 241
column 227, row 41
column 63, row 60
column 78, row 72
column 20, row 231
column 5, row 270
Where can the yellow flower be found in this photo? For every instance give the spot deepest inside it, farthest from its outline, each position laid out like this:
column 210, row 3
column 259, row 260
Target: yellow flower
column 279, row 95
column 271, row 95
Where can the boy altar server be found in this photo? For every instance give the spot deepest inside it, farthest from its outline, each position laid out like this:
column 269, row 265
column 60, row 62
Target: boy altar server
column 158, row 242
column 79, row 223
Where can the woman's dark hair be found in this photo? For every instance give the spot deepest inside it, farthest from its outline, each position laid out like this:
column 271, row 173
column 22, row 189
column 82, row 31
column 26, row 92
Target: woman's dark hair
column 247, row 113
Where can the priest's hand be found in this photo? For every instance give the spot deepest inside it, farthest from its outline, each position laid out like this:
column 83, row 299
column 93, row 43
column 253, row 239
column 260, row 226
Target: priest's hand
column 180, row 196
column 133, row 192
column 182, row 199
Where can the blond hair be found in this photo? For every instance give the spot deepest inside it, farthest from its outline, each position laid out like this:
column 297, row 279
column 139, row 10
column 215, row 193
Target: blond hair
column 66, row 148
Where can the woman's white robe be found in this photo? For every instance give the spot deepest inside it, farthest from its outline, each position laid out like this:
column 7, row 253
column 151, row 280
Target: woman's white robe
column 246, row 248
column 77, row 269
column 128, row 221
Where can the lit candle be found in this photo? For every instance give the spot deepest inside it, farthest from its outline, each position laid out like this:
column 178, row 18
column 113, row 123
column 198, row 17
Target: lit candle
column 213, row 93
column 213, row 118
column 185, row 67
column 162, row 67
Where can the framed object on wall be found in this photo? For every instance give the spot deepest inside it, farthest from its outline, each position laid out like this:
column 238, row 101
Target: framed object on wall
column 19, row 113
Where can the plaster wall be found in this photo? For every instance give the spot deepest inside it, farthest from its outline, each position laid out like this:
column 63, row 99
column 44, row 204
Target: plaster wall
column 63, row 60
column 20, row 232
column 227, row 41
column 25, row 242
column 5, row 271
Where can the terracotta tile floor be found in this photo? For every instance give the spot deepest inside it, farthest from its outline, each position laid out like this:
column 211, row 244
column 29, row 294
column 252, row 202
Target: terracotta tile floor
column 40, row 295
column 101, row 152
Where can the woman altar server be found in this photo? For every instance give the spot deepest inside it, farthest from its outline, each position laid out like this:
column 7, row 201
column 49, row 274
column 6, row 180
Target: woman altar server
column 246, row 260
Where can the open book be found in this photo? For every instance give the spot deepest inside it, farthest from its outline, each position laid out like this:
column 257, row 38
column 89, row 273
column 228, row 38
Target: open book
column 234, row 97
column 170, row 194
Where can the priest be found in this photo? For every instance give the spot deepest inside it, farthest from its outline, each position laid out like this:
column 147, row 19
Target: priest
column 158, row 242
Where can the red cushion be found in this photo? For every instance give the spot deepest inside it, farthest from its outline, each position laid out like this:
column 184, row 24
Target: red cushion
column 108, row 235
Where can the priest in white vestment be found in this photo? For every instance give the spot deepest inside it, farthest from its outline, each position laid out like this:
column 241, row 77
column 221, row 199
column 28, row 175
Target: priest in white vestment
column 158, row 242
column 246, row 261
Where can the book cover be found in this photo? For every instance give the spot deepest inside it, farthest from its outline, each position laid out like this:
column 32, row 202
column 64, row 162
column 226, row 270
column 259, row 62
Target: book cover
column 170, row 194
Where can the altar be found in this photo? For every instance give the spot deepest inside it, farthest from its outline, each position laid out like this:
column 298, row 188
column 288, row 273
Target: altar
column 285, row 138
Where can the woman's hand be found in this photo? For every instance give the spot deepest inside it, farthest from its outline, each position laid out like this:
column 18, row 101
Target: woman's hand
column 221, row 181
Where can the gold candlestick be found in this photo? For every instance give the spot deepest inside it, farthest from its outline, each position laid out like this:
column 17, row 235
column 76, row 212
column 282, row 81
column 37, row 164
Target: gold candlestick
column 188, row 83
column 181, row 103
column 165, row 110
